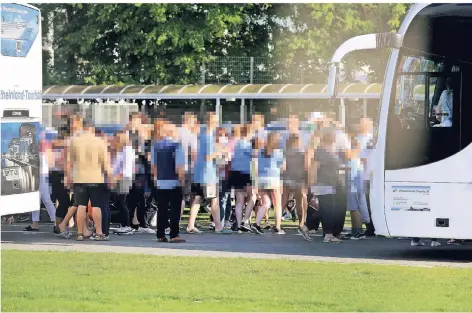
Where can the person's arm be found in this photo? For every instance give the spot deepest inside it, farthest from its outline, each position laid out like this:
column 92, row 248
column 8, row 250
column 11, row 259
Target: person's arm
column 107, row 163
column 153, row 162
column 68, row 151
column 180, row 164
column 128, row 164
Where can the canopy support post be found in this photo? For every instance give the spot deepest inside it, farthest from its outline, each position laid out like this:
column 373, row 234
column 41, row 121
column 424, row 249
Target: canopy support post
column 364, row 108
column 218, row 110
column 242, row 114
column 342, row 113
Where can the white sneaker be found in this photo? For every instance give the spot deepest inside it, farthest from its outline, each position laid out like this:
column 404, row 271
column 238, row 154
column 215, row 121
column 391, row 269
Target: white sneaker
column 123, row 230
column 154, row 221
column 146, row 230
column 435, row 244
column 417, row 243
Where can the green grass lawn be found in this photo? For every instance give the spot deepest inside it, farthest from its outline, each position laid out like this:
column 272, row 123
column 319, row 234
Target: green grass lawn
column 66, row 281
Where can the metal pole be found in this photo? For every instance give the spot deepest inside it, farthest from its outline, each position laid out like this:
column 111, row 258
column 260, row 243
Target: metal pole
column 342, row 113
column 242, row 114
column 251, row 81
column 364, row 108
column 218, row 110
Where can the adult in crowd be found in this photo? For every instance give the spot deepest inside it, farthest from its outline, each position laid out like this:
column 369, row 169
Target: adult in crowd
column 123, row 165
column 89, row 159
column 269, row 166
column 168, row 167
column 205, row 178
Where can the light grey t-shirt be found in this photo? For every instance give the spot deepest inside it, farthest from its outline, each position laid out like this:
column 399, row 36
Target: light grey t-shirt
column 189, row 143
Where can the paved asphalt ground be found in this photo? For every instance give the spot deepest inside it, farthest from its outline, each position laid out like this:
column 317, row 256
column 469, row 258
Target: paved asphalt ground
column 376, row 250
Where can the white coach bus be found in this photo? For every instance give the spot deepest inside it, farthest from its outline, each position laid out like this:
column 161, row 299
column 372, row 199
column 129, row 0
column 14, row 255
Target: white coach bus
column 20, row 107
column 422, row 159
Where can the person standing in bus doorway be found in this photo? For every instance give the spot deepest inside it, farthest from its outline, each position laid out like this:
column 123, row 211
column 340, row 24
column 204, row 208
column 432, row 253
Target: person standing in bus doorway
column 444, row 107
column 205, row 176
column 168, row 168
column 89, row 159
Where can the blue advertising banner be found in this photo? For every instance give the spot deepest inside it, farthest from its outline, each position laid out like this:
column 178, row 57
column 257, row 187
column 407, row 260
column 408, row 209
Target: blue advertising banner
column 19, row 29
column 20, row 163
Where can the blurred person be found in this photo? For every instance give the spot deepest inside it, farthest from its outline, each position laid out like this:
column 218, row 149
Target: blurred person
column 168, row 167
column 189, row 140
column 258, row 127
column 123, row 164
column 356, row 201
column 44, row 186
column 324, row 176
column 365, row 138
column 66, row 208
column 295, row 180
column 222, row 145
column 205, row 178
column 240, row 179
column 139, row 138
column 269, row 165
column 89, row 162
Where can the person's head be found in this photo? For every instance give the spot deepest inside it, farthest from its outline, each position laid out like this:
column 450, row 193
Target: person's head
column 328, row 139
column 236, row 131
column 449, row 83
column 293, row 142
column 122, row 139
column 88, row 127
column 221, row 135
column 189, row 120
column 293, row 124
column 366, row 125
column 212, row 120
column 76, row 123
column 135, row 120
column 159, row 128
column 258, row 120
column 273, row 140
column 169, row 130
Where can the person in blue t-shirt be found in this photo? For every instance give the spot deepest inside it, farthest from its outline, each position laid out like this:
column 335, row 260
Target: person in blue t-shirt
column 168, row 167
column 240, row 178
column 269, row 167
column 205, row 179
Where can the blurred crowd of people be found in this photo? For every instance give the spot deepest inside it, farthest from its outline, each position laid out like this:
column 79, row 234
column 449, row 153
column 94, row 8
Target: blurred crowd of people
column 150, row 168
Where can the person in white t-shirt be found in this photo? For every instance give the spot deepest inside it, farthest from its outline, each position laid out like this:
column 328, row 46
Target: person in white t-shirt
column 445, row 106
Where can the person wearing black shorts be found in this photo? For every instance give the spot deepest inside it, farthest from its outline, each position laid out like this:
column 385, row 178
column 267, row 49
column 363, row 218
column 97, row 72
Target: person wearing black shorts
column 240, row 179
column 88, row 157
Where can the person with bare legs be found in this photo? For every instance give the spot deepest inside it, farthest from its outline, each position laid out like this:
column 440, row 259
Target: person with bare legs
column 205, row 177
column 89, row 159
column 240, row 178
column 269, row 166
column 295, row 180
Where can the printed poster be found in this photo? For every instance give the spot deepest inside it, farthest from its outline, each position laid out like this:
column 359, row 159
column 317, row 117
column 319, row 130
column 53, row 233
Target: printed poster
column 19, row 29
column 411, row 198
column 20, row 158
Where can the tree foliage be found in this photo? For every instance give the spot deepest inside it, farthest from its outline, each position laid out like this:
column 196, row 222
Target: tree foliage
column 167, row 43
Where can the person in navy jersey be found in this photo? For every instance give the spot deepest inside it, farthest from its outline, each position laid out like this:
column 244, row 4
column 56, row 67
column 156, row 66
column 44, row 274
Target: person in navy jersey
column 168, row 168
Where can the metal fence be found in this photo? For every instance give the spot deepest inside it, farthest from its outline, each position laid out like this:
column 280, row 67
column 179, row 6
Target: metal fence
column 254, row 70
